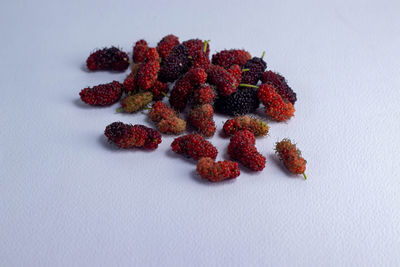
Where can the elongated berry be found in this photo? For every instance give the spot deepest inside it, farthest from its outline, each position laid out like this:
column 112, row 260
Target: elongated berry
column 282, row 88
column 125, row 135
column 136, row 102
column 291, row 157
column 140, row 51
column 103, row 94
column 194, row 146
column 275, row 106
column 147, row 74
column 108, row 59
column 256, row 126
column 227, row 58
column 213, row 171
column 201, row 118
column 166, row 44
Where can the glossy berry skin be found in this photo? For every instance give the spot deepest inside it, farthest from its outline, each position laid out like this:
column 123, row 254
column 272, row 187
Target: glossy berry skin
column 201, row 118
column 175, row 64
column 166, row 44
column 147, row 74
column 282, row 88
column 256, row 126
column 213, row 171
column 290, row 156
column 275, row 106
column 136, row 102
column 132, row 136
column 103, row 94
column 225, row 83
column 125, row 135
column 227, row 58
column 203, row 95
column 242, row 148
column 195, row 45
column 140, row 51
column 242, row 102
column 256, row 66
column 108, row 59
column 194, row 146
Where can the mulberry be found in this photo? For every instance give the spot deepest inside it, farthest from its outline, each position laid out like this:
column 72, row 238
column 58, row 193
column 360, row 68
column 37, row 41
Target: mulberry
column 255, row 66
column 180, row 94
column 147, row 74
column 227, row 58
column 280, row 84
column 201, row 117
column 225, row 83
column 175, row 65
column 244, row 101
column 291, row 157
column 200, row 60
column 203, row 95
column 140, row 51
column 129, row 84
column 103, row 94
column 153, row 138
column 125, row 135
column 159, row 90
column 236, row 72
column 108, row 59
column 133, row 103
column 275, row 106
column 166, row 44
column 194, row 146
column 213, row 171
column 195, row 45
column 256, row 126
column 166, row 119
column 242, row 148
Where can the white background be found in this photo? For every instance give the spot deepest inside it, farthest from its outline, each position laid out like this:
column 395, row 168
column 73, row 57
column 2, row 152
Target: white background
column 68, row 198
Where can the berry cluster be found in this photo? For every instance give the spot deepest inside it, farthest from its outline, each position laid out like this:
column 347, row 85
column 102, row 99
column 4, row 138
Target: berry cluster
column 232, row 83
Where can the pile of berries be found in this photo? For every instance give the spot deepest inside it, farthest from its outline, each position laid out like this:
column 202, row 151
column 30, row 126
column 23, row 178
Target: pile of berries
column 195, row 85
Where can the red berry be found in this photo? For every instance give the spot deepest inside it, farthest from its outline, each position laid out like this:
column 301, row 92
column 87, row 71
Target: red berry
column 159, row 90
column 103, row 94
column 166, row 44
column 136, row 102
column 153, row 138
column 201, row 117
column 275, row 107
column 213, row 171
column 225, row 83
column 125, row 135
column 140, row 51
column 194, row 146
column 200, row 60
column 242, row 148
column 236, row 72
column 227, row 58
column 291, row 157
column 204, row 95
column 195, row 45
column 256, row 126
column 147, row 74
column 108, row 59
column 166, row 119
column 180, row 94
column 130, row 84
column 282, row 88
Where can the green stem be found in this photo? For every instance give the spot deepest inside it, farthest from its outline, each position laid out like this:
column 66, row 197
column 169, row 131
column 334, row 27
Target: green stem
column 243, row 70
column 248, row 85
column 164, row 94
column 119, row 110
column 305, row 177
column 263, row 54
column 147, row 108
column 205, row 45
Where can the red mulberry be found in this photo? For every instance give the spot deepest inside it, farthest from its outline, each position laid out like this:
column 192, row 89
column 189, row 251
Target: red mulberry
column 153, row 138
column 103, row 94
column 256, row 126
column 282, row 88
column 194, row 146
column 223, row 80
column 236, row 72
column 195, row 45
column 200, row 60
column 204, row 95
column 201, row 117
column 166, row 119
column 159, row 90
column 166, row 44
column 108, row 59
column 180, row 94
column 242, row 148
column 227, row 58
column 275, row 107
column 133, row 103
column 213, row 171
column 130, row 85
column 291, row 157
column 147, row 74
column 140, row 51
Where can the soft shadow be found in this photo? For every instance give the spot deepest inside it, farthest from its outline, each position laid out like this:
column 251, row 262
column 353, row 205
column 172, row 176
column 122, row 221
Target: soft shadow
column 195, row 176
column 78, row 102
column 84, row 68
column 172, row 154
column 107, row 145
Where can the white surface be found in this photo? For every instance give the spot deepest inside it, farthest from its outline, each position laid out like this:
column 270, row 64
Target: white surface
column 70, row 199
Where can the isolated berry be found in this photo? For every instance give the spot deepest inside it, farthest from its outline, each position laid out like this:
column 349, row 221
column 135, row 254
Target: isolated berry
column 147, row 74
column 213, row 171
column 108, row 59
column 282, row 88
column 166, row 44
column 130, row 85
column 140, row 51
column 195, row 45
column 153, row 138
column 159, row 90
column 201, row 117
column 255, row 67
column 166, row 119
column 227, row 58
column 103, row 94
column 291, row 157
column 225, row 83
column 275, row 106
column 175, row 64
column 194, row 146
column 203, row 95
column 256, row 126
column 244, row 101
column 236, row 72
column 125, row 135
column 242, row 148
column 133, row 103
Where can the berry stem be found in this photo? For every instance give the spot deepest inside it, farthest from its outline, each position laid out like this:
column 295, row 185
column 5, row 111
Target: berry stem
column 263, row 54
column 205, row 45
column 146, row 108
column 304, row 175
column 164, row 94
column 248, row 85
column 119, row 110
column 243, row 70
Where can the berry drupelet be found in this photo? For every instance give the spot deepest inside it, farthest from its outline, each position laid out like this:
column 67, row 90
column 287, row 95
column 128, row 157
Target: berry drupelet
column 194, row 146
column 282, row 88
column 242, row 102
column 103, row 94
column 166, row 44
column 213, row 171
column 227, row 58
column 291, row 157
